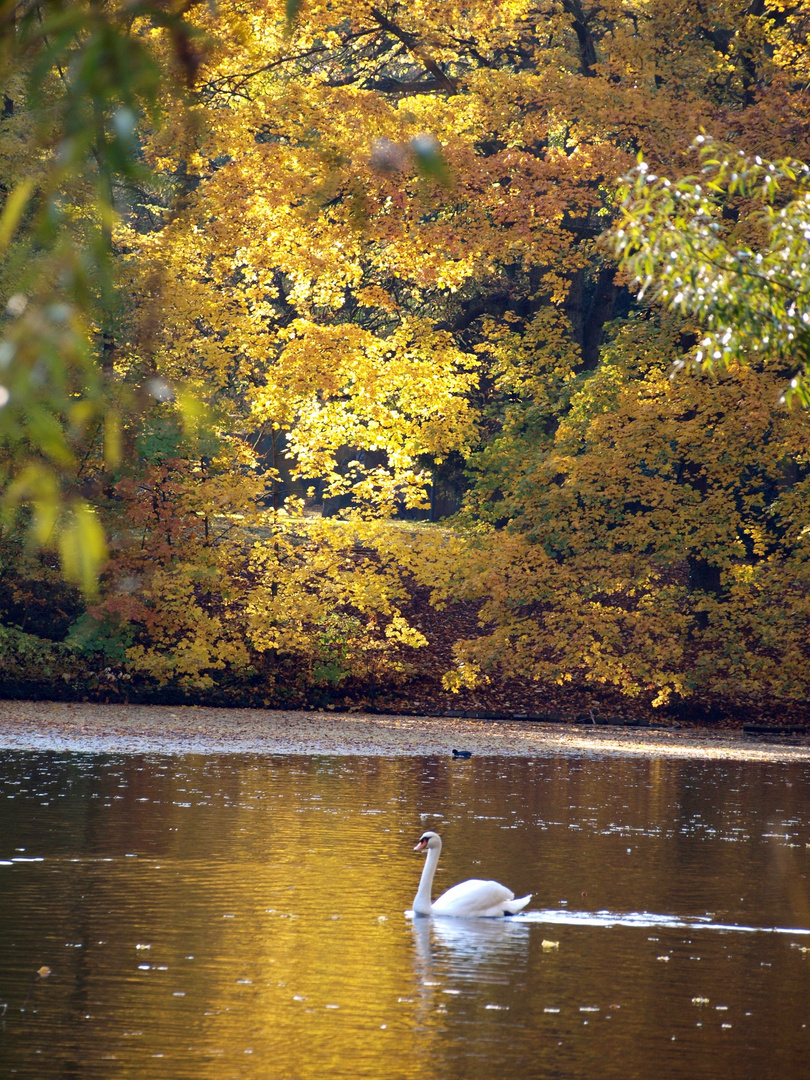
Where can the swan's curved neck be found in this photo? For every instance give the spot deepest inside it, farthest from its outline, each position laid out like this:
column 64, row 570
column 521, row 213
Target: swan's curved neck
column 422, row 904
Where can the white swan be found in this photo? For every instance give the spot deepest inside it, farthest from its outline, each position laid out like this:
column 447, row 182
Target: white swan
column 469, row 899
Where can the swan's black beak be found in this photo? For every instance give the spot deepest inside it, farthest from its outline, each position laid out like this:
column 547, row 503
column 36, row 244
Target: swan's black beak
column 421, row 845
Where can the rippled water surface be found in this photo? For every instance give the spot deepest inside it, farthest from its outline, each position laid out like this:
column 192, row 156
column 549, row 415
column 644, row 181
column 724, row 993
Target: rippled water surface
column 215, row 917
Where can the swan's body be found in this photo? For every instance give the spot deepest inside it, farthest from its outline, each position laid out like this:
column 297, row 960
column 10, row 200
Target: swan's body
column 468, row 900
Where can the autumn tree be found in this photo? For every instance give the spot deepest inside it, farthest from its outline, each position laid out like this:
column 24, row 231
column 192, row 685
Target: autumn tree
column 749, row 284
column 76, row 80
column 377, row 235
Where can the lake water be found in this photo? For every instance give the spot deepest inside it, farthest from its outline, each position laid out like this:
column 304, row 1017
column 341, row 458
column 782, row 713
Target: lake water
column 243, row 916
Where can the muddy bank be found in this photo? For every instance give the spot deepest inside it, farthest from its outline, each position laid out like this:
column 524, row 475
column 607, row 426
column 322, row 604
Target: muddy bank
column 95, row 728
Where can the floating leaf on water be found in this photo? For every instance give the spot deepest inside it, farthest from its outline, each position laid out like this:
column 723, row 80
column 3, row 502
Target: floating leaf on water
column 43, row 972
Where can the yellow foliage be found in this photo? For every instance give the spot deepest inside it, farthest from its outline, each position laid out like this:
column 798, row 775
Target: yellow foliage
column 371, row 239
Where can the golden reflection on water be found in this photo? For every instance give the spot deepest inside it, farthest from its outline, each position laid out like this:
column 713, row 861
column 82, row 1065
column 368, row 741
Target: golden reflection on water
column 244, row 917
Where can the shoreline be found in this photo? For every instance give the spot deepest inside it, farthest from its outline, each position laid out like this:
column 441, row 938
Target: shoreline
column 90, row 728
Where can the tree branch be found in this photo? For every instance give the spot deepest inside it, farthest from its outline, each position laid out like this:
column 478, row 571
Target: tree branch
column 411, row 43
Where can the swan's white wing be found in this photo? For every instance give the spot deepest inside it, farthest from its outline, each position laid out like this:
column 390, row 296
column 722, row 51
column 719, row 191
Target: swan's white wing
column 475, row 898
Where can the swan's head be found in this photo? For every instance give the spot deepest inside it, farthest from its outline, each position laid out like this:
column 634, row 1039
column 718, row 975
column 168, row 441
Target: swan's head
column 428, row 840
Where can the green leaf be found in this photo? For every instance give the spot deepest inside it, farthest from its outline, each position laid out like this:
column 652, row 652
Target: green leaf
column 429, row 159
column 292, row 7
column 13, row 210
column 82, row 548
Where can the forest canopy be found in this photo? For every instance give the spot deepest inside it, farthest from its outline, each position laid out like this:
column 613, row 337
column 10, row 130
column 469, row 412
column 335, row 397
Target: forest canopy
column 362, row 352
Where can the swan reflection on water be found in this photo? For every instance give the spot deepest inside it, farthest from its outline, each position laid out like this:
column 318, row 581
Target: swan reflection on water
column 505, row 941
column 462, row 944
